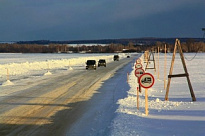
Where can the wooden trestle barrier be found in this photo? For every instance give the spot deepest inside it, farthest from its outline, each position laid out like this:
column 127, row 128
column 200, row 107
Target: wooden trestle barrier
column 177, row 44
column 154, row 67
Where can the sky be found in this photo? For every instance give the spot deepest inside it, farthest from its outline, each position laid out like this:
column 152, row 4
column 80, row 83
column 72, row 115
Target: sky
column 23, row 20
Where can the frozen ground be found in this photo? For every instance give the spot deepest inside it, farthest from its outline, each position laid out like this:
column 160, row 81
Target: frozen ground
column 51, row 104
column 177, row 117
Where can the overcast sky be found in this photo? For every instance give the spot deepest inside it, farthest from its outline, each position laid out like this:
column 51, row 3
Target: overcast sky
column 100, row 19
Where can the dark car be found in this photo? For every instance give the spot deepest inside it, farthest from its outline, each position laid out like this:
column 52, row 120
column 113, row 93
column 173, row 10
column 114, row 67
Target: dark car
column 91, row 64
column 102, row 62
column 116, row 57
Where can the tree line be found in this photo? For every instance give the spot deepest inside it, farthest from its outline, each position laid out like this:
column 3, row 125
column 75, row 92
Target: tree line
column 189, row 46
column 64, row 48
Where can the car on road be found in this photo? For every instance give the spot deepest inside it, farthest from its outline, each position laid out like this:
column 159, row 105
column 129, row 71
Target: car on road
column 116, row 57
column 102, row 62
column 91, row 64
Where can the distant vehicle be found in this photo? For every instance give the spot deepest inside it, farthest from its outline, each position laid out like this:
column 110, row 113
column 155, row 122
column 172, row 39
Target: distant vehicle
column 116, row 57
column 91, row 64
column 128, row 56
column 102, row 62
column 147, row 80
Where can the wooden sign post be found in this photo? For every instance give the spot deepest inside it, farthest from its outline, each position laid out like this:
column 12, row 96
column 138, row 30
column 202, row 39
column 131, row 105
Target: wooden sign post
column 138, row 73
column 146, row 56
column 138, row 98
column 146, row 102
column 158, row 65
column 177, row 44
column 146, row 81
column 165, row 65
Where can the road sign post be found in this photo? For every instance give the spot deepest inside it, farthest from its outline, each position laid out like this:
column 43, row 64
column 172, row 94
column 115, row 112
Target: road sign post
column 146, row 102
column 138, row 73
column 146, row 81
column 138, row 98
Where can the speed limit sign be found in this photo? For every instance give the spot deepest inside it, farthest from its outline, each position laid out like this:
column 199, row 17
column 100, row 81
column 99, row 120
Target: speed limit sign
column 138, row 61
column 146, row 80
column 139, row 72
column 138, row 65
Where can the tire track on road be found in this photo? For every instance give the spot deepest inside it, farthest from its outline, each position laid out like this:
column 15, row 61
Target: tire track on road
column 34, row 110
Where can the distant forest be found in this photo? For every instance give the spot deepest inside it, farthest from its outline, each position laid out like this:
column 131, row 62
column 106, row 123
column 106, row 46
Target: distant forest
column 123, row 45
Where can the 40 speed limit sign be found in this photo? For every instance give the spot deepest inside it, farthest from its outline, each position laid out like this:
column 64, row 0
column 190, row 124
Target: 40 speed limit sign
column 138, row 61
column 138, row 65
column 139, row 72
column 146, row 80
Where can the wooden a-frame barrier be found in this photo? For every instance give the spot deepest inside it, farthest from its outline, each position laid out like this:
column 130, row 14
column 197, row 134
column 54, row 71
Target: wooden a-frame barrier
column 154, row 67
column 177, row 44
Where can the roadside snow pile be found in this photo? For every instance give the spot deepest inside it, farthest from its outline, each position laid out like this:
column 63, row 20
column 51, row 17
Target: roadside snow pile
column 48, row 73
column 128, row 105
column 36, row 67
column 8, row 82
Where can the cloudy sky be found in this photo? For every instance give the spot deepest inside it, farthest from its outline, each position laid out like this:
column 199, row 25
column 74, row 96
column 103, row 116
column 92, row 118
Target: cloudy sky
column 100, row 19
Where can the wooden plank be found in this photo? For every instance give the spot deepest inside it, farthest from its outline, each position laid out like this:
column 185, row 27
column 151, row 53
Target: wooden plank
column 165, row 65
column 170, row 72
column 158, row 65
column 186, row 72
column 178, row 75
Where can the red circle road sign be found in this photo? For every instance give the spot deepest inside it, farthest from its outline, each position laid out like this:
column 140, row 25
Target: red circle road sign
column 138, row 61
column 138, row 65
column 146, row 80
column 139, row 72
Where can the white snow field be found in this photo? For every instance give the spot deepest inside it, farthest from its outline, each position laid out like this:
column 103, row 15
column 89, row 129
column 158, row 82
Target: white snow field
column 177, row 117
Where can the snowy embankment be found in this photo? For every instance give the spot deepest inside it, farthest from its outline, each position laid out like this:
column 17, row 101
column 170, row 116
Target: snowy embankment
column 37, row 66
column 177, row 117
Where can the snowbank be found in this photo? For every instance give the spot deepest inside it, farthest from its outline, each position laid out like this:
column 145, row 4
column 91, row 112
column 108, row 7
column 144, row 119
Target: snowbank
column 176, row 117
column 38, row 66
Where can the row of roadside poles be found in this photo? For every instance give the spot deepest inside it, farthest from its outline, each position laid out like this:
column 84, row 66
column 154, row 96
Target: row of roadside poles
column 145, row 80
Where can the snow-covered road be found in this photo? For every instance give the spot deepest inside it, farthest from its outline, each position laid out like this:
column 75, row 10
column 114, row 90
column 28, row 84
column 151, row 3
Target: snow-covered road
column 71, row 102
column 101, row 109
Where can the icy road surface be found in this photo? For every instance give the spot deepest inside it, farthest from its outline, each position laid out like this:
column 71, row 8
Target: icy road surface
column 70, row 103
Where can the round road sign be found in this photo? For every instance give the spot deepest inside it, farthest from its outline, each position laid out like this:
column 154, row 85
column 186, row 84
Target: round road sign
column 138, row 65
column 138, row 61
column 146, row 80
column 139, row 72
